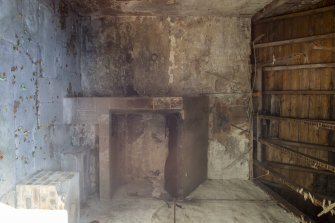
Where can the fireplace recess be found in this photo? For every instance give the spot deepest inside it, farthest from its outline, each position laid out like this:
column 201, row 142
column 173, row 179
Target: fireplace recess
column 187, row 122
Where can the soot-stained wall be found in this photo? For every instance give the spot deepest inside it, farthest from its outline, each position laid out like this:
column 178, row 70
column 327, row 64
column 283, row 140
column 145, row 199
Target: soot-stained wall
column 39, row 65
column 178, row 56
column 140, row 143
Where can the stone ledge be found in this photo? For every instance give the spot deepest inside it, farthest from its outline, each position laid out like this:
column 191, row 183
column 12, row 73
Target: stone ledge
column 89, row 109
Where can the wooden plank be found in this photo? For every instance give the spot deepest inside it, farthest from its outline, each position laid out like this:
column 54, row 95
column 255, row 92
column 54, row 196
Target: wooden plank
column 260, row 86
column 259, row 151
column 266, row 104
column 310, row 160
column 275, row 105
column 285, row 204
column 324, row 108
column 302, row 126
column 300, row 145
column 326, row 124
column 282, row 186
column 326, row 83
column 296, row 40
column 257, row 20
column 301, row 92
column 299, row 82
column 294, row 127
column 285, row 106
column 284, row 112
column 298, row 103
column 259, row 82
column 293, row 167
column 295, row 67
column 313, row 136
column 315, row 199
column 267, row 81
column 279, row 77
column 275, row 110
column 321, row 107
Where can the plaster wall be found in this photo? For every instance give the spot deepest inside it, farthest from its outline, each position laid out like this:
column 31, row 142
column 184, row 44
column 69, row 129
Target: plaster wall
column 39, row 65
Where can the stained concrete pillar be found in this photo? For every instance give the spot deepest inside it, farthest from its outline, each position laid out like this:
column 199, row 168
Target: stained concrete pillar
column 104, row 157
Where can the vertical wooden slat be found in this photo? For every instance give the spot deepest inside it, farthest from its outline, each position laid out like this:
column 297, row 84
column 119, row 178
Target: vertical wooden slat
column 259, row 83
column 304, row 105
column 259, row 145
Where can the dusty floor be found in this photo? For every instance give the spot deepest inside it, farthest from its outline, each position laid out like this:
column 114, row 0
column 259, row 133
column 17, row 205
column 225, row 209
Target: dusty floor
column 214, row 201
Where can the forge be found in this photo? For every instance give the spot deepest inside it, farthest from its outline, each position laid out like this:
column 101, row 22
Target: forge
column 177, row 162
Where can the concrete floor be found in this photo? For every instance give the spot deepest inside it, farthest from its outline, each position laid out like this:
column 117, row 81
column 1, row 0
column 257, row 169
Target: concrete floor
column 214, row 201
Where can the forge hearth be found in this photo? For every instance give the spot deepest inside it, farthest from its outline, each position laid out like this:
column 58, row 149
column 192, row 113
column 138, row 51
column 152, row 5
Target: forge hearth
column 184, row 120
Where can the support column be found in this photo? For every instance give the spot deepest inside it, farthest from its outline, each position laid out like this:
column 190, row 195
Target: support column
column 104, row 157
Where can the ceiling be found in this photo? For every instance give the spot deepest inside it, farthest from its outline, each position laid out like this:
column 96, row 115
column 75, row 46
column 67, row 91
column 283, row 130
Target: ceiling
column 280, row 7
column 168, row 7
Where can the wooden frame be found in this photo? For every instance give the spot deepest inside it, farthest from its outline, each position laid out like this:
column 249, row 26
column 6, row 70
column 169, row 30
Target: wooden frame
column 323, row 124
column 279, row 116
column 296, row 40
column 298, row 168
column 310, row 160
column 285, row 204
column 259, row 18
column 315, row 199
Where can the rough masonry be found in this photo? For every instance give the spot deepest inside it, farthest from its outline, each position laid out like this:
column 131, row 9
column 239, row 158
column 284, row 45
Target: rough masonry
column 178, row 56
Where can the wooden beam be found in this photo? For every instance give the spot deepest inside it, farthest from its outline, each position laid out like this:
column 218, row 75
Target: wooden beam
column 296, row 67
column 299, row 92
column 269, row 8
column 301, row 145
column 292, row 41
column 308, row 146
column 257, row 94
column 258, row 19
column 317, row 200
column 323, row 124
column 259, row 151
column 293, row 167
column 284, row 187
column 284, row 203
column 310, row 160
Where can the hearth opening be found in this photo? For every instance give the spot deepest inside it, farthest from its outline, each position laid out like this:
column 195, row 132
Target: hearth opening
column 139, row 150
column 144, row 150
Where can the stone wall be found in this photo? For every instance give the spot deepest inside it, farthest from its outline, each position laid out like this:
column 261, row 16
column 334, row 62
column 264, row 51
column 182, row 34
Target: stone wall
column 41, row 54
column 178, row 56
column 39, row 65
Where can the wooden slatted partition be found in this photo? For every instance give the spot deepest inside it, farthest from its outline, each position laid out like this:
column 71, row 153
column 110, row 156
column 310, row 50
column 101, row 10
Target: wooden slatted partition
column 294, row 98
